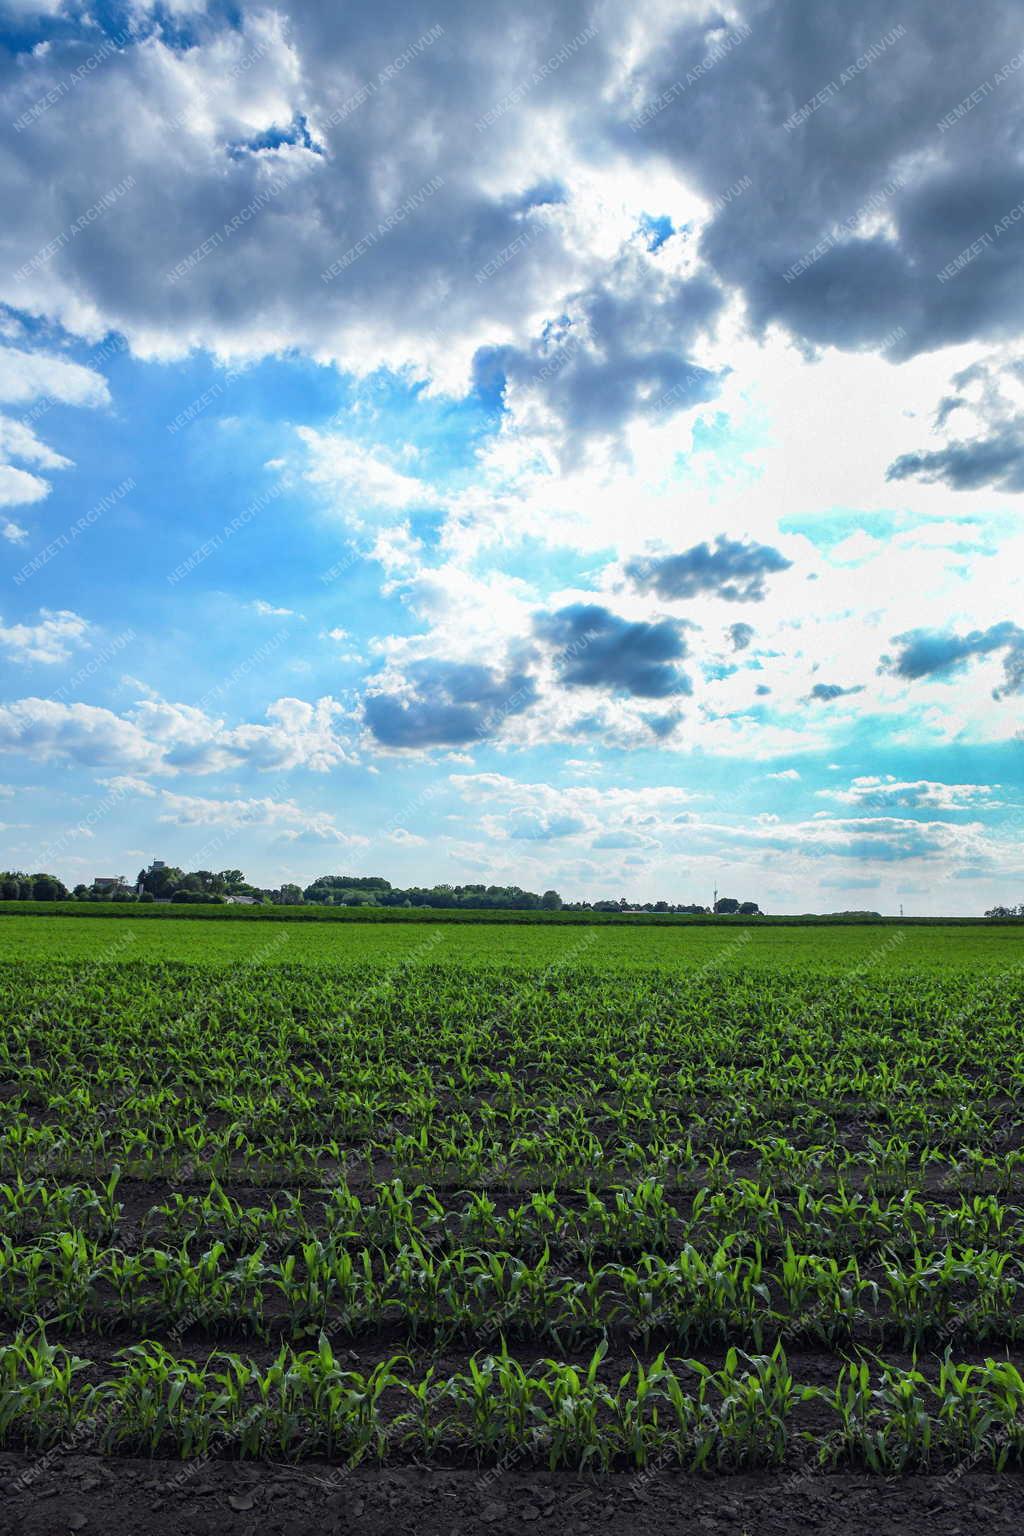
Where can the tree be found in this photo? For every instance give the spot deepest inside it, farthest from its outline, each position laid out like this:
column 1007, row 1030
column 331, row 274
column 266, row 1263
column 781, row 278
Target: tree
column 15, row 885
column 208, row 881
column 291, row 895
column 749, row 909
column 551, row 901
column 161, row 882
column 725, row 905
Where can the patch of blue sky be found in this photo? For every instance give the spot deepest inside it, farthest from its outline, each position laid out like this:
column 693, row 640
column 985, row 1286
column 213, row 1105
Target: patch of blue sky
column 827, row 529
column 656, row 230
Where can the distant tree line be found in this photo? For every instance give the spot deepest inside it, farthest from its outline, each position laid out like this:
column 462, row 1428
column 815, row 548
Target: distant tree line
column 169, row 883
column 375, row 891
column 17, row 886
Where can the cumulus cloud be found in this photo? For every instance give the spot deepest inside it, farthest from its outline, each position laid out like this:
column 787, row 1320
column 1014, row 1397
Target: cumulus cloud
column 447, row 703
column 356, row 478
column 787, row 151
column 943, row 653
column 49, row 641
column 303, row 119
column 18, row 441
column 986, row 397
column 37, row 376
column 649, row 819
column 996, row 460
column 597, row 649
column 740, row 635
column 732, row 570
column 866, row 180
column 27, row 376
column 19, row 488
column 164, row 738
column 284, row 816
column 887, row 839
column 622, row 355
column 610, row 818
column 886, row 793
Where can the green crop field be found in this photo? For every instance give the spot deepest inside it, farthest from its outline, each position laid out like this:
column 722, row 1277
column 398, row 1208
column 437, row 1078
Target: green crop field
column 617, row 1199
column 528, row 946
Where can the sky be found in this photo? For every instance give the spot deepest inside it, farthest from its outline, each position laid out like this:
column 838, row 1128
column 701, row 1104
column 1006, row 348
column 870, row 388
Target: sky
column 573, row 445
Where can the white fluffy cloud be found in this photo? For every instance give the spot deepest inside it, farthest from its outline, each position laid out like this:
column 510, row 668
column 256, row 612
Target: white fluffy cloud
column 37, row 376
column 354, row 480
column 164, row 738
column 283, row 816
column 873, row 792
column 51, row 640
column 688, row 844
column 27, row 376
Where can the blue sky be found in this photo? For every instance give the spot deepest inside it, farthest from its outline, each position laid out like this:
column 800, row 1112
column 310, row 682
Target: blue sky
column 561, row 447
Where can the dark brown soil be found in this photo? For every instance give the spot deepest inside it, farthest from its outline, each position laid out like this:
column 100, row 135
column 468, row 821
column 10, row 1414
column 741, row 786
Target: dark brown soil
column 155, row 1498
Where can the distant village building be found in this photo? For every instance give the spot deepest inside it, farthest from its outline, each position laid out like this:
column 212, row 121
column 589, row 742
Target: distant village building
column 110, row 883
column 243, row 901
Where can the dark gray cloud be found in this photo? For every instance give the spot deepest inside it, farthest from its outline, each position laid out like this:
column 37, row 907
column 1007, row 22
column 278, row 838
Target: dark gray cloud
column 260, row 212
column 942, row 654
column 449, row 704
column 824, row 693
column 597, row 649
column 997, row 460
column 995, row 454
column 822, row 130
column 732, row 569
column 936, row 108
column 741, row 635
column 623, row 355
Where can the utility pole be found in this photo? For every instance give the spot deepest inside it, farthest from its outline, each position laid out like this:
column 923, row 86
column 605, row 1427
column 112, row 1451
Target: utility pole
column 714, row 902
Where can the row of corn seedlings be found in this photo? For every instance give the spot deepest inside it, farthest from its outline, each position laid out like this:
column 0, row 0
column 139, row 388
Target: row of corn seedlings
column 698, row 1297
column 747, row 1412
